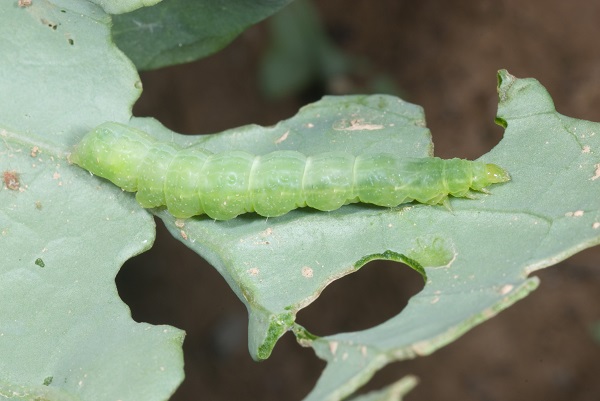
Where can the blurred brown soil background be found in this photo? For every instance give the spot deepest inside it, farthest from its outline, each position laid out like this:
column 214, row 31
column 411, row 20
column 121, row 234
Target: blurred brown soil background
column 444, row 57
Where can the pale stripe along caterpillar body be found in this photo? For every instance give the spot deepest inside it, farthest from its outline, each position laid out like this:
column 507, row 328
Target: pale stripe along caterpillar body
column 193, row 181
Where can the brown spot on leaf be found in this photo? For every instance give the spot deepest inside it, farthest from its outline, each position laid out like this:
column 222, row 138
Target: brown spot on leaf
column 11, row 180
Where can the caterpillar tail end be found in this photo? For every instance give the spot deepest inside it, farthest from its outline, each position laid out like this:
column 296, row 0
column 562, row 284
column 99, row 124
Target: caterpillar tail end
column 496, row 174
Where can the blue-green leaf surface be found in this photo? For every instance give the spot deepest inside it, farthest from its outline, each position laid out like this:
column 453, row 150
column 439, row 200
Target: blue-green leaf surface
column 64, row 332
column 476, row 257
column 549, row 211
column 393, row 392
column 123, row 6
column 179, row 31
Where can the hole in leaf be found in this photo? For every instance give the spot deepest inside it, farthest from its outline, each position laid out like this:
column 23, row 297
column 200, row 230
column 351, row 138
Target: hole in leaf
column 170, row 284
column 375, row 293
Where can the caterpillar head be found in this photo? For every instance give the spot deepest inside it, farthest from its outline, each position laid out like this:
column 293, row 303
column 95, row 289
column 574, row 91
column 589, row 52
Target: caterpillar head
column 487, row 175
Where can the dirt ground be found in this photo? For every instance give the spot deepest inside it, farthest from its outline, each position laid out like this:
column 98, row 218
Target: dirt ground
column 444, row 56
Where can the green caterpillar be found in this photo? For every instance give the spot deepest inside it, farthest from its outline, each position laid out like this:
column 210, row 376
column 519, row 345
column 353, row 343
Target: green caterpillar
column 193, row 181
